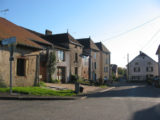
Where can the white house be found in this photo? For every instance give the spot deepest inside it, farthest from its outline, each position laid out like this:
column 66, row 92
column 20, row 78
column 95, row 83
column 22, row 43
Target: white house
column 142, row 67
column 158, row 53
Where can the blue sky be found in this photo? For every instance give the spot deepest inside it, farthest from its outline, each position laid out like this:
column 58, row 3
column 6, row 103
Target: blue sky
column 100, row 19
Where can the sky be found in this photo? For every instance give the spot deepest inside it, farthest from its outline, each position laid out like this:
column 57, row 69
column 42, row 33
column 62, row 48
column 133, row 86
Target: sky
column 123, row 26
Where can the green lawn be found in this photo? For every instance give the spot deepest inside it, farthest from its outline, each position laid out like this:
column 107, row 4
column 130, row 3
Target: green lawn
column 39, row 91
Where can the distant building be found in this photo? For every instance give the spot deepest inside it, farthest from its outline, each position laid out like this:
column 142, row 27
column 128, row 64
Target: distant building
column 91, row 50
column 158, row 53
column 142, row 67
column 104, row 62
column 114, row 70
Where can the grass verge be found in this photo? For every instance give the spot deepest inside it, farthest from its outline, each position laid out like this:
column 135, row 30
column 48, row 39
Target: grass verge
column 103, row 86
column 39, row 91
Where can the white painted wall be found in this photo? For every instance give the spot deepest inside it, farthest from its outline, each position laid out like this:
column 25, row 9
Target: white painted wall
column 143, row 64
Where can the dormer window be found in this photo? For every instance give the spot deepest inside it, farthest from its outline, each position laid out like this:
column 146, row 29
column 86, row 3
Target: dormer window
column 136, row 63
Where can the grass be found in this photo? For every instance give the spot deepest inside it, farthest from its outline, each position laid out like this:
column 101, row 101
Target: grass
column 39, row 91
column 103, row 86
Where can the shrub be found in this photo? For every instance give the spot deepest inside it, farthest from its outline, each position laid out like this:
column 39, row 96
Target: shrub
column 74, row 78
column 42, row 84
column 55, row 81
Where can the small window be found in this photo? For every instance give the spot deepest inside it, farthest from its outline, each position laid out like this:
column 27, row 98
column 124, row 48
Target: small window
column 137, row 69
column 136, row 63
column 76, row 70
column 95, row 65
column 21, row 65
column 94, row 55
column 76, row 57
column 149, row 69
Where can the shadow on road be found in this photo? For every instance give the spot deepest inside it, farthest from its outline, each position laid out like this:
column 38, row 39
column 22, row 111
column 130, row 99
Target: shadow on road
column 129, row 90
column 152, row 113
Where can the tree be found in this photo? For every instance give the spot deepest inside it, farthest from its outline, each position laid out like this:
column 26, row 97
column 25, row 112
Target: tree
column 51, row 64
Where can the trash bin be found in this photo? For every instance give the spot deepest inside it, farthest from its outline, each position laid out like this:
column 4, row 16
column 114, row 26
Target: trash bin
column 77, row 89
column 81, row 89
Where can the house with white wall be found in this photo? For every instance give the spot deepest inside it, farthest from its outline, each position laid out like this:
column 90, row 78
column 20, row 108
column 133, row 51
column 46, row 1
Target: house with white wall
column 142, row 67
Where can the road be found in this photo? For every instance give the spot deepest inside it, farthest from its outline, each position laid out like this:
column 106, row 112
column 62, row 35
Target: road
column 125, row 102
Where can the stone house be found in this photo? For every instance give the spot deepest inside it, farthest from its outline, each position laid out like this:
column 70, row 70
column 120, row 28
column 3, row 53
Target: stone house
column 158, row 53
column 104, row 62
column 62, row 71
column 69, row 54
column 142, row 67
column 26, row 64
column 94, row 57
column 85, row 67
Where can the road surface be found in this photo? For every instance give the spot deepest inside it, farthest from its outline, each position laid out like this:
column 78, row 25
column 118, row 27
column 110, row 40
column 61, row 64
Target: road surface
column 125, row 102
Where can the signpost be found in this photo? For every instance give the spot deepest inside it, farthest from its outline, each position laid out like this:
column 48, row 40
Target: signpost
column 11, row 42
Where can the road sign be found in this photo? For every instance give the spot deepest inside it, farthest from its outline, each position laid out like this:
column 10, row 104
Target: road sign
column 8, row 41
column 11, row 42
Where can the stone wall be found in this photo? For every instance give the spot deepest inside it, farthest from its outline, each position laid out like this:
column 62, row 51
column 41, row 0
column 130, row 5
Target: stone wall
column 104, row 66
column 75, row 49
column 30, row 67
column 65, row 64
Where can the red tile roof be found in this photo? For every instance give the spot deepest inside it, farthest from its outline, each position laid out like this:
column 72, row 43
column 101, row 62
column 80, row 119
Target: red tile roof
column 23, row 36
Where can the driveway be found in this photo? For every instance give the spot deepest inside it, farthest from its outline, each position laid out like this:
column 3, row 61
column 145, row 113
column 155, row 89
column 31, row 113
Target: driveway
column 125, row 102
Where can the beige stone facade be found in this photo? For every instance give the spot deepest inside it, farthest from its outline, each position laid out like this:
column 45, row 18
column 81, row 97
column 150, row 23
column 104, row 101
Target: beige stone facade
column 75, row 59
column 62, row 71
column 28, row 76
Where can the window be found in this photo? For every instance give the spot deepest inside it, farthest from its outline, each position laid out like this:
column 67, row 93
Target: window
column 95, row 65
column 105, row 69
column 76, row 57
column 94, row 55
column 107, row 61
column 76, row 70
column 136, row 69
column 149, row 63
column 149, row 69
column 21, row 65
column 60, row 55
column 136, row 63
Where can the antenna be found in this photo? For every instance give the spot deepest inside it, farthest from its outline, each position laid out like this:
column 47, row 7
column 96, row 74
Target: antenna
column 4, row 11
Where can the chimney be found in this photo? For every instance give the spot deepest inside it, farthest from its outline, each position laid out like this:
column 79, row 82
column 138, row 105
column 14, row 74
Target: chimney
column 48, row 32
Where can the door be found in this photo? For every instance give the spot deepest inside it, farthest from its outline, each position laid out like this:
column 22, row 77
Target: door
column 61, row 74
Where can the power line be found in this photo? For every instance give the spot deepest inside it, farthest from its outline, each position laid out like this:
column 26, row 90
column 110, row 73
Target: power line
column 152, row 38
column 132, row 29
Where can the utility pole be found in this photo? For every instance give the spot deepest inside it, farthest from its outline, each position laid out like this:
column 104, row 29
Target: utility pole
column 128, row 65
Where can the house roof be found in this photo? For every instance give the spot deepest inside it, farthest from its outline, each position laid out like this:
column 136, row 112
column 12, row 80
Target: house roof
column 65, row 37
column 23, row 36
column 102, row 47
column 60, row 40
column 88, row 43
column 158, row 50
column 141, row 54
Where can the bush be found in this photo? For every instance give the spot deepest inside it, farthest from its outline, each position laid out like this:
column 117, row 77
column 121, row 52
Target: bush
column 55, row 81
column 42, row 84
column 74, row 78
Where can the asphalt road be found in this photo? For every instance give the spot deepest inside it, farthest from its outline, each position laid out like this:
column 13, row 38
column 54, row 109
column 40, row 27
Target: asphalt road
column 125, row 102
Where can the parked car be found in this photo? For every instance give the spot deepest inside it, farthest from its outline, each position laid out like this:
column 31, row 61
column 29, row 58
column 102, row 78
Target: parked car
column 156, row 81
